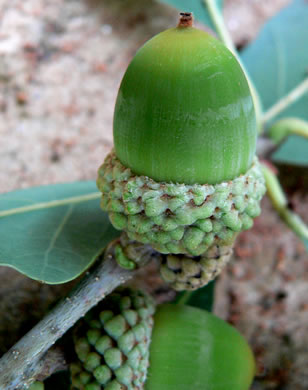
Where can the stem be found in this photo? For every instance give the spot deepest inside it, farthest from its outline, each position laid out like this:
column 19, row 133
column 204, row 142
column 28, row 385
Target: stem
column 219, row 24
column 224, row 35
column 52, row 203
column 280, row 203
column 184, row 298
column 21, row 365
column 286, row 101
column 286, row 127
column 186, row 19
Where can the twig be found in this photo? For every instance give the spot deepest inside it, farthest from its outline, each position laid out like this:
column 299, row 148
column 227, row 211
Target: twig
column 286, row 101
column 280, row 203
column 23, row 363
column 224, row 35
column 286, row 127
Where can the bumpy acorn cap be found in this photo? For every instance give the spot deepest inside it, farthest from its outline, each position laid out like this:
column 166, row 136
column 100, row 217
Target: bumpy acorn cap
column 184, row 112
column 112, row 343
column 184, row 272
column 179, row 218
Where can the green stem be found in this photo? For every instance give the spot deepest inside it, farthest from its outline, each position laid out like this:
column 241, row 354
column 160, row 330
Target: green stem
column 286, row 101
column 224, row 35
column 280, row 203
column 286, row 127
column 52, row 203
column 184, row 298
column 219, row 24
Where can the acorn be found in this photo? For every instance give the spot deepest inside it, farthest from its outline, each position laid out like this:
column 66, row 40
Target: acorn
column 183, row 176
column 193, row 349
column 121, row 346
column 112, row 343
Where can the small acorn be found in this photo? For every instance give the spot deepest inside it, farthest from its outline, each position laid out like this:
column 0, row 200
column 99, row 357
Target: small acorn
column 183, row 176
column 193, row 349
column 112, row 343
column 123, row 345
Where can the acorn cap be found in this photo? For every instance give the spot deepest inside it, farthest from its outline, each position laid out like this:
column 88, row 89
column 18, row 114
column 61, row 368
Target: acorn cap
column 189, row 273
column 112, row 343
column 193, row 349
column 184, row 113
column 178, row 218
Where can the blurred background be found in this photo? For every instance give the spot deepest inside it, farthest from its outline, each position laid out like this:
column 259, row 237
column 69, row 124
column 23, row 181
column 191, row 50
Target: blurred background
column 61, row 62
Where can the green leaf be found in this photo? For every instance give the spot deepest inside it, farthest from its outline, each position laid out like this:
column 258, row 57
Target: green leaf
column 53, row 233
column 197, row 7
column 277, row 61
column 293, row 150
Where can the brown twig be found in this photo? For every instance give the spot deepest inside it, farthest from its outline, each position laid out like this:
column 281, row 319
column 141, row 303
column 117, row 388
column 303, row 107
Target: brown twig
column 26, row 361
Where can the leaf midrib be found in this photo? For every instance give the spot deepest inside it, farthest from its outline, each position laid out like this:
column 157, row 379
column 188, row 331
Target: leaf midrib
column 55, row 237
column 50, row 204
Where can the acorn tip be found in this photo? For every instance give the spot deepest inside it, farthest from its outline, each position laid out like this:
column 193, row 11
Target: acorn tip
column 186, row 19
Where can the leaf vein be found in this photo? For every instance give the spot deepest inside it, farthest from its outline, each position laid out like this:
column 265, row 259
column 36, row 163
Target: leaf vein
column 55, row 237
column 52, row 203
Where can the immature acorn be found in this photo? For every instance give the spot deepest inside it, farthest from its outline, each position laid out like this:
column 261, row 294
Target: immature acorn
column 183, row 176
column 192, row 349
column 188, row 348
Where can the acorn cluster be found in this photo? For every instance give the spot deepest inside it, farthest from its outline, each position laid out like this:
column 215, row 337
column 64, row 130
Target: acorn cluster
column 183, row 176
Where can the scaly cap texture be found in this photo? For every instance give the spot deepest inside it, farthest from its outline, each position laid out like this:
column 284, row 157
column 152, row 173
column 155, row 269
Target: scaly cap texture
column 179, row 218
column 184, row 272
column 112, row 343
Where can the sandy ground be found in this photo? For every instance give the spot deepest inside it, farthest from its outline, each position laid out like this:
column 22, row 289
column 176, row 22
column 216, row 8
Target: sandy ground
column 61, row 62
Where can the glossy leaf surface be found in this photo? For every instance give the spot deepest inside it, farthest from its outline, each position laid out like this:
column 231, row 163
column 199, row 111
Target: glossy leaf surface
column 192, row 349
column 60, row 237
column 277, row 62
column 293, row 150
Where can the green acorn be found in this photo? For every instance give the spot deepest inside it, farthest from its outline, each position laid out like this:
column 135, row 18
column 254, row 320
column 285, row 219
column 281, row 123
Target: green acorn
column 190, row 348
column 183, row 177
column 112, row 343
column 193, row 349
